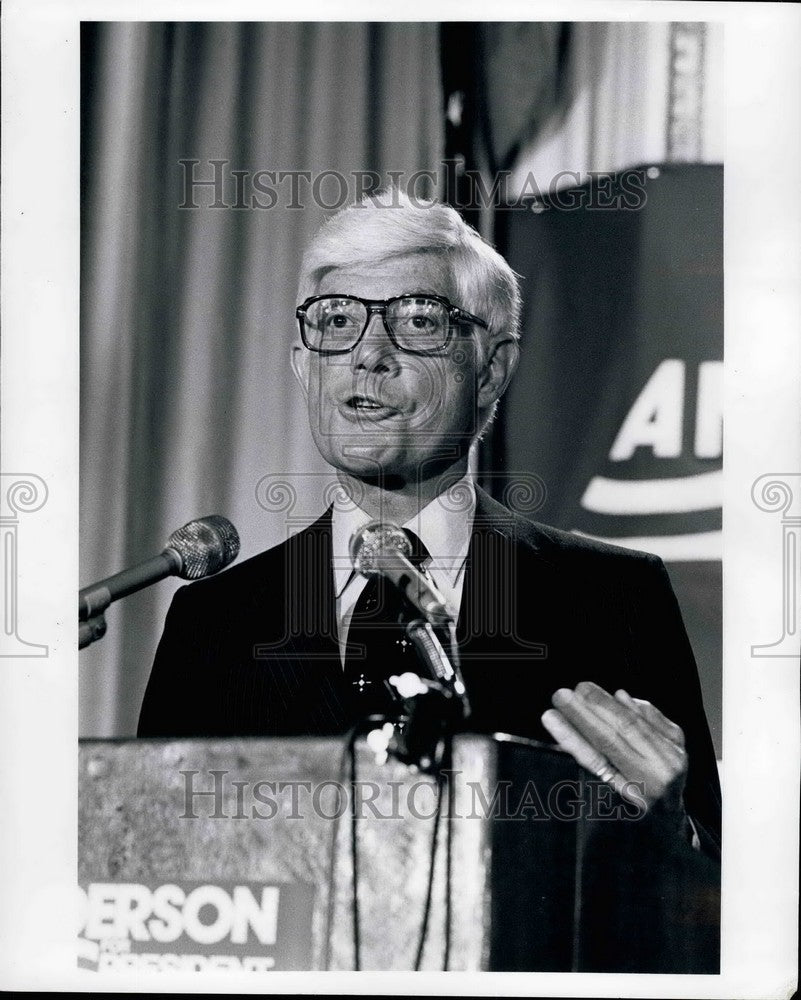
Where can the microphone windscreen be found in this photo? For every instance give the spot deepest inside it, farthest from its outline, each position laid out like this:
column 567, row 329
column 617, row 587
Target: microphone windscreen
column 205, row 546
column 373, row 540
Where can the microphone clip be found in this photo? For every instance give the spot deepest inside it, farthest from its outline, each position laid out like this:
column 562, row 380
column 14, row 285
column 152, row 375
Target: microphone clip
column 434, row 707
column 91, row 630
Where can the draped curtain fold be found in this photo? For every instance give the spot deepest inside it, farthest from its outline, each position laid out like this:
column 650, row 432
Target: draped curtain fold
column 627, row 86
column 187, row 314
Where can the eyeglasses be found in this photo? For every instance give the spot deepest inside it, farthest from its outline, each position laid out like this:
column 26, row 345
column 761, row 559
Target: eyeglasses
column 416, row 324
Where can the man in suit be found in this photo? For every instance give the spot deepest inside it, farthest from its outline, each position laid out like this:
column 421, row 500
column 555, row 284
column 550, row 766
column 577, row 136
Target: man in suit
column 408, row 329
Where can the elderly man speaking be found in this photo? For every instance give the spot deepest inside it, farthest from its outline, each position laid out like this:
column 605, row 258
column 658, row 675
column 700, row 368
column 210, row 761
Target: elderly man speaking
column 407, row 338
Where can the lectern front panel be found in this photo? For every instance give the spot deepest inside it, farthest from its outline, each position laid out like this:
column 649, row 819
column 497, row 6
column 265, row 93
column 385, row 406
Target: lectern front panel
column 217, row 854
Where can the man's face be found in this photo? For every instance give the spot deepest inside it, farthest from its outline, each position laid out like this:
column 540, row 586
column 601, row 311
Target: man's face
column 379, row 411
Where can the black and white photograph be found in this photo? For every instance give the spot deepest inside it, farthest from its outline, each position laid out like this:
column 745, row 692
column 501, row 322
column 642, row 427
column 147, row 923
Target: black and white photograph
column 419, row 471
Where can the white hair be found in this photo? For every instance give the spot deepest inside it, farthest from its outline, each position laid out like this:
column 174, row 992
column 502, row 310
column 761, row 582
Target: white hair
column 389, row 224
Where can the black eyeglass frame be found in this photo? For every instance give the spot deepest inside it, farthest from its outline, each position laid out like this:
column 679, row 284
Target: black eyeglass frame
column 380, row 306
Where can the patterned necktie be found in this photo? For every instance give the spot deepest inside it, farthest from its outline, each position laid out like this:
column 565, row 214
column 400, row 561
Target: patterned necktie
column 377, row 646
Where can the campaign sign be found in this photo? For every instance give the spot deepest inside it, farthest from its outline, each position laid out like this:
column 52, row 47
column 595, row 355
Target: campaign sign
column 195, row 926
column 617, row 404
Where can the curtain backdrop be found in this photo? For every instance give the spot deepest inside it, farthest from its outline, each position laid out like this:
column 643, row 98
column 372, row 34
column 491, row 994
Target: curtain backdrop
column 187, row 400
column 634, row 93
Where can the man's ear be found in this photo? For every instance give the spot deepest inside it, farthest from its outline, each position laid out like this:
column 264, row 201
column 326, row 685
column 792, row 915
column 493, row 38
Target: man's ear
column 497, row 371
column 299, row 359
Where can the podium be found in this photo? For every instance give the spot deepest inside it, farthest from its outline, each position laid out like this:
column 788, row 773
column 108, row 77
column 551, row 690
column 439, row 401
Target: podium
column 238, row 854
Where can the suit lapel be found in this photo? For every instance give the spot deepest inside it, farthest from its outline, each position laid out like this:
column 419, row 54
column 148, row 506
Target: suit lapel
column 507, row 622
column 305, row 670
column 502, row 574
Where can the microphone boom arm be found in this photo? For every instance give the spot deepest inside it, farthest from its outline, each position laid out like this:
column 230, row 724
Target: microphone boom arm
column 94, row 599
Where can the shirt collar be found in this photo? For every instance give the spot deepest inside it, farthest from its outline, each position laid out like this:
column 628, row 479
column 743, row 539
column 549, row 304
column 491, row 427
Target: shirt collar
column 444, row 526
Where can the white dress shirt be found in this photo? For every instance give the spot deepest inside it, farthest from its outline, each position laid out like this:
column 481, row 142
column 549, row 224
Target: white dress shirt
column 444, row 526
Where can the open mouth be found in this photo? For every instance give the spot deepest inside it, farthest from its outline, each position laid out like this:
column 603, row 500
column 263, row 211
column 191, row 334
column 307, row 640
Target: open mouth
column 368, row 405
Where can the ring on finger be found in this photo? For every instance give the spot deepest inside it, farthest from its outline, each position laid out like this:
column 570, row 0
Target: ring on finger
column 606, row 772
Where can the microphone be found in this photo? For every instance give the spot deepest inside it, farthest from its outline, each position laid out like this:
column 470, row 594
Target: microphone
column 382, row 549
column 198, row 549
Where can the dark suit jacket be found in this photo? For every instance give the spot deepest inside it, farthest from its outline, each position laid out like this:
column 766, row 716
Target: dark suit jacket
column 254, row 650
